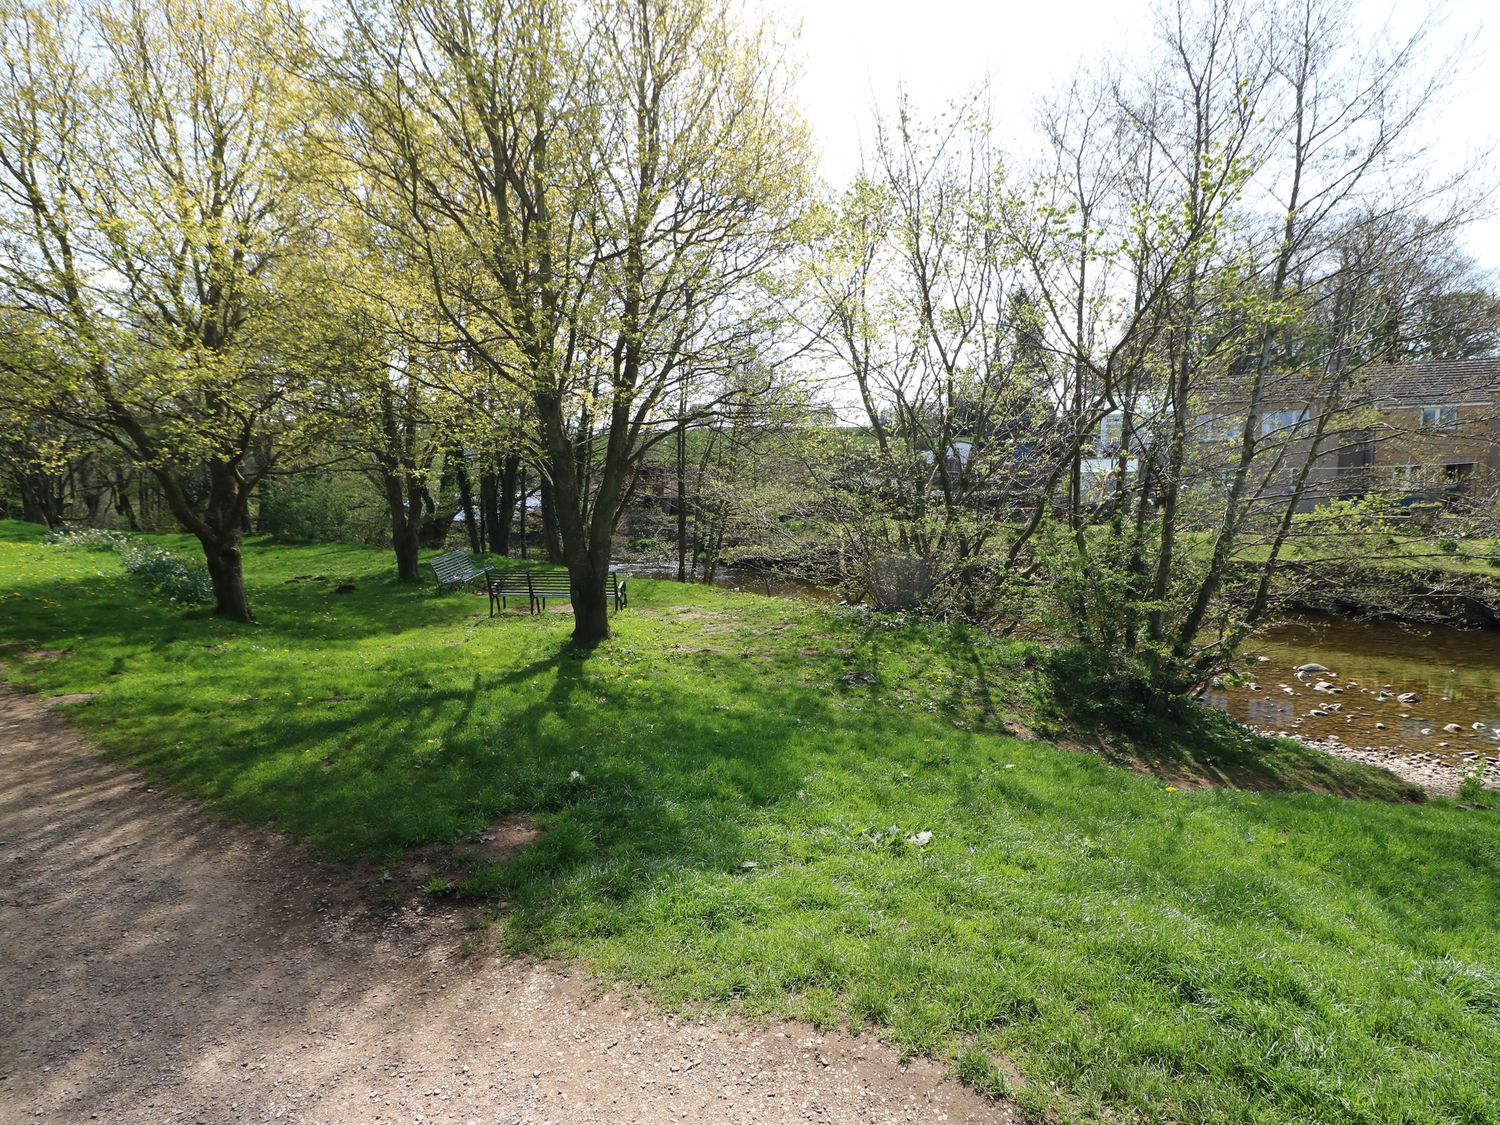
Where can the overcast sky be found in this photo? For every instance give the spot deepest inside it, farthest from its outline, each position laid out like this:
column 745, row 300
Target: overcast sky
column 855, row 52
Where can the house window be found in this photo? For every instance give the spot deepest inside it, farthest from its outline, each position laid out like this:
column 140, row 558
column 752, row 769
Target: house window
column 1278, row 420
column 1111, row 430
column 1408, row 478
column 1460, row 477
column 1439, row 417
column 1217, row 427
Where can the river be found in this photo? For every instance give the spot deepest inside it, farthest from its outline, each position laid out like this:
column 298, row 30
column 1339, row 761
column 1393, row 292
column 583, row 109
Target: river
column 1456, row 674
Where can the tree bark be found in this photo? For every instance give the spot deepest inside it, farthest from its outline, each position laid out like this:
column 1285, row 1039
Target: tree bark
column 505, row 512
column 588, row 572
column 550, row 535
column 122, row 502
column 682, row 521
column 217, row 528
column 227, row 572
column 405, row 506
column 407, row 544
column 466, row 499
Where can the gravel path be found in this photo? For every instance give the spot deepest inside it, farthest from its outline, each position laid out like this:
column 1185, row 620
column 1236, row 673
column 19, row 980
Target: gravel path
column 157, row 965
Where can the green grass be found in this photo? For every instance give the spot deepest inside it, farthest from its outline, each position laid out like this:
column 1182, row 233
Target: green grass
column 1086, row 938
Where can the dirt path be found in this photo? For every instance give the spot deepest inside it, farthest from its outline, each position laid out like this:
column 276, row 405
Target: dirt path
column 157, row 965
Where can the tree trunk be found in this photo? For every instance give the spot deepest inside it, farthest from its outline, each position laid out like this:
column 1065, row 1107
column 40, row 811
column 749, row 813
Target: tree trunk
column 505, row 512
column 33, row 509
column 217, row 528
column 227, row 572
column 587, row 578
column 550, row 533
column 682, row 521
column 405, row 507
column 525, row 503
column 407, row 544
column 466, row 499
column 122, row 502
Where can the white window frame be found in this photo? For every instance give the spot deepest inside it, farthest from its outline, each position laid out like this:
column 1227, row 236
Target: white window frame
column 1407, row 477
column 1439, row 417
column 1278, row 421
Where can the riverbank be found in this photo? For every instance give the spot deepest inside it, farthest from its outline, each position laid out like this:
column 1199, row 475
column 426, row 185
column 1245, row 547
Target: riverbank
column 1436, row 775
column 1421, row 592
column 766, row 809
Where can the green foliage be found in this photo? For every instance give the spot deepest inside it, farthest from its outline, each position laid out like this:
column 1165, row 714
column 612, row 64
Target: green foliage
column 1133, row 693
column 323, row 508
column 88, row 539
column 1095, row 941
column 1471, row 790
column 175, row 576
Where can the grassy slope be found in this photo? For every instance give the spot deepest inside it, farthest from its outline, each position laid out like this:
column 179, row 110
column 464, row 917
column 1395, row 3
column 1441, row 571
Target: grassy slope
column 1204, row 955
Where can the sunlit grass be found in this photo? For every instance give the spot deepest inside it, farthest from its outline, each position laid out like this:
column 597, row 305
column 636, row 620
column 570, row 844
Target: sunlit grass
column 1133, row 948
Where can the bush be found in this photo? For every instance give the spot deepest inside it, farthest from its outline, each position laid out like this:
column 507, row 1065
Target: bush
column 1448, row 546
column 1132, row 693
column 331, row 508
column 88, row 538
column 177, row 577
column 898, row 581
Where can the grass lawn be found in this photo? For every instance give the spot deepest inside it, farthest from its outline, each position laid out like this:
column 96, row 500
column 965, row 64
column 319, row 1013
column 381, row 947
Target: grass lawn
column 1092, row 940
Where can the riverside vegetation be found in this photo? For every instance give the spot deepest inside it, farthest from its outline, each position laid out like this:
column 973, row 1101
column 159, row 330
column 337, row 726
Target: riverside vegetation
column 767, row 808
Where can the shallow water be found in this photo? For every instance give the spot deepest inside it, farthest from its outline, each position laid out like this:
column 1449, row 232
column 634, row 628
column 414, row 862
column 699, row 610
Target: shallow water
column 1456, row 673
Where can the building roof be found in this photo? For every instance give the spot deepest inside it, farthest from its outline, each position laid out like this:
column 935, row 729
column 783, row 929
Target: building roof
column 1432, row 383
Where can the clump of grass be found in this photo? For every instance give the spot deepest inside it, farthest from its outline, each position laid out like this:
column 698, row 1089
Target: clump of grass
column 1471, row 790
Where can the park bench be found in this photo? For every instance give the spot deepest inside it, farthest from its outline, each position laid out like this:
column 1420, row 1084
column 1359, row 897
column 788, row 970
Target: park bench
column 454, row 568
column 539, row 585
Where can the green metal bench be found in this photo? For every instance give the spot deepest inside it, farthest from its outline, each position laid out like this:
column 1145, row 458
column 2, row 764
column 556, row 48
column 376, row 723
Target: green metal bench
column 540, row 585
column 455, row 568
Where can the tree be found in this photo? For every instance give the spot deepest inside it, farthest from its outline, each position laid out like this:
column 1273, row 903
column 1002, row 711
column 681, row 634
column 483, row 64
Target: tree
column 1247, row 167
column 594, row 189
column 917, row 295
column 151, row 198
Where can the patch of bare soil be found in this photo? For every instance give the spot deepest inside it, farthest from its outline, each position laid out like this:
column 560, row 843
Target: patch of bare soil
column 64, row 700
column 420, row 883
column 158, row 965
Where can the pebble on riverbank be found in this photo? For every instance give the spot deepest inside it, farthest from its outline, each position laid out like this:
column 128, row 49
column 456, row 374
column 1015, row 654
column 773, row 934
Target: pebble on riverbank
column 1439, row 778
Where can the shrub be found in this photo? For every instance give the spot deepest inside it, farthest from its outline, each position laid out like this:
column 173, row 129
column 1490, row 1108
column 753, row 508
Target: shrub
column 1448, row 546
column 1471, row 789
column 332, row 508
column 177, row 577
column 1133, row 693
column 88, row 538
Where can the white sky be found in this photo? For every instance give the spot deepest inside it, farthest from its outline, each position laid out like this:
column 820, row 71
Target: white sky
column 855, row 52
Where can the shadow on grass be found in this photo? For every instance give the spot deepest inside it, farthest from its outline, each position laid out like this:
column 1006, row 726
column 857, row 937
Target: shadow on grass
column 1117, row 710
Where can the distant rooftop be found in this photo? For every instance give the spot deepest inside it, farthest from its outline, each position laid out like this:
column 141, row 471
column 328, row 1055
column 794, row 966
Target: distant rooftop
column 1437, row 381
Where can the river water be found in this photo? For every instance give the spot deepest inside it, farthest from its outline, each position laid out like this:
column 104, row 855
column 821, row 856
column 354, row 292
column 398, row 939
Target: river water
column 1456, row 674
